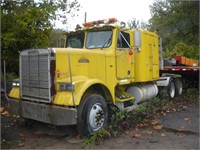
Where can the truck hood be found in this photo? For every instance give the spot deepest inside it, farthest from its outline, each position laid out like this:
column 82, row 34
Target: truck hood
column 80, row 62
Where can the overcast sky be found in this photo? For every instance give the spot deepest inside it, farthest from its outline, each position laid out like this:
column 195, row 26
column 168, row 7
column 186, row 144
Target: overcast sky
column 123, row 10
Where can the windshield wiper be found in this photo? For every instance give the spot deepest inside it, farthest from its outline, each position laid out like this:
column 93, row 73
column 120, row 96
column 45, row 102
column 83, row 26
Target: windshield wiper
column 107, row 42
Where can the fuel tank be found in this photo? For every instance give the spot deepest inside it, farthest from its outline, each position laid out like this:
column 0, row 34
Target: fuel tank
column 143, row 92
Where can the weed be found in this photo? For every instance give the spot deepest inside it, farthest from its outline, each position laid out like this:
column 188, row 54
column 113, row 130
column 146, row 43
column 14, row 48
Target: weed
column 192, row 94
column 118, row 116
column 96, row 137
column 5, row 144
column 24, row 122
column 148, row 109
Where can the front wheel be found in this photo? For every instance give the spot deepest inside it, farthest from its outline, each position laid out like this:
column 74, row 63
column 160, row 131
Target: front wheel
column 92, row 114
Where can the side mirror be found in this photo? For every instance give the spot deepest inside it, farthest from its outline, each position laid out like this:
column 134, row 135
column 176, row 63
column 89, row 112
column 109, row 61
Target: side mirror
column 137, row 39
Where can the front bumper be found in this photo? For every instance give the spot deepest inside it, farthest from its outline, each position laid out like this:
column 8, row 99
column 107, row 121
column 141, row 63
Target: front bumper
column 47, row 113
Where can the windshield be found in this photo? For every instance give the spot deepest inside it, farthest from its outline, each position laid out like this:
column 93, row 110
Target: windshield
column 75, row 40
column 99, row 39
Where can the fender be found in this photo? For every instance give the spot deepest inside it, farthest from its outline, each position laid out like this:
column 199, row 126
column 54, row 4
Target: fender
column 163, row 81
column 81, row 84
column 15, row 93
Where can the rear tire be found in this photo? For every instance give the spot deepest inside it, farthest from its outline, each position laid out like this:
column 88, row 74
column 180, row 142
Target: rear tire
column 171, row 90
column 178, row 86
column 92, row 114
column 168, row 92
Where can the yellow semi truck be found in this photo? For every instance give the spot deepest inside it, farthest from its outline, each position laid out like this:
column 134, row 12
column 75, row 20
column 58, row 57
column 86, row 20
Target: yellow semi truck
column 104, row 63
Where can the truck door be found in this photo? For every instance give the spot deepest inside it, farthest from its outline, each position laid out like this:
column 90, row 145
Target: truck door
column 123, row 58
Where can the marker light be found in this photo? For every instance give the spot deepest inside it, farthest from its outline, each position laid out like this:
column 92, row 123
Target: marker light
column 104, row 21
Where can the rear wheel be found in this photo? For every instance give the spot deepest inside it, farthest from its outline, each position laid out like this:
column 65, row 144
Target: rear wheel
column 178, row 87
column 168, row 92
column 92, row 114
column 171, row 89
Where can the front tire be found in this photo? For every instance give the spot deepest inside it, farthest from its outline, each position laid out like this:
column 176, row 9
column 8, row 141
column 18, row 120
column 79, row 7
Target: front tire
column 92, row 114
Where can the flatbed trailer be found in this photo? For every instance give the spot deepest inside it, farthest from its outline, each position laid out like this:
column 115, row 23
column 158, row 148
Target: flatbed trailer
column 190, row 75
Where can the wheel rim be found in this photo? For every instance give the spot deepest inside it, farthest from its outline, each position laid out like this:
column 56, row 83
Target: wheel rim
column 96, row 117
column 172, row 90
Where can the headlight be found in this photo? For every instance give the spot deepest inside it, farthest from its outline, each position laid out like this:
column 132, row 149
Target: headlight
column 66, row 87
column 15, row 83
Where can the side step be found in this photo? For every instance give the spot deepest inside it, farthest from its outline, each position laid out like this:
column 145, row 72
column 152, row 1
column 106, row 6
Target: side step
column 124, row 100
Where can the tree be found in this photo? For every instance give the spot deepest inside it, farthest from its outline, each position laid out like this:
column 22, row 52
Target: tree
column 134, row 24
column 177, row 22
column 58, row 38
column 27, row 24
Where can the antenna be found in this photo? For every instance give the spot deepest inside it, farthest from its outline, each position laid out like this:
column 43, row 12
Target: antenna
column 85, row 16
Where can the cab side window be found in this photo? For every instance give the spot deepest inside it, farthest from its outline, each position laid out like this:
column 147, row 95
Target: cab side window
column 75, row 40
column 123, row 40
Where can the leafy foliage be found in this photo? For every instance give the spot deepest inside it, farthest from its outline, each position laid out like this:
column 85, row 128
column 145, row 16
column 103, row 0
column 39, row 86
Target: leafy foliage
column 134, row 24
column 97, row 137
column 28, row 24
column 58, row 38
column 184, row 50
column 177, row 22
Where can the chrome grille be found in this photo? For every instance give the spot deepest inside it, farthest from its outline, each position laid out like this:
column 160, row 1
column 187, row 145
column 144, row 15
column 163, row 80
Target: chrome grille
column 35, row 75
